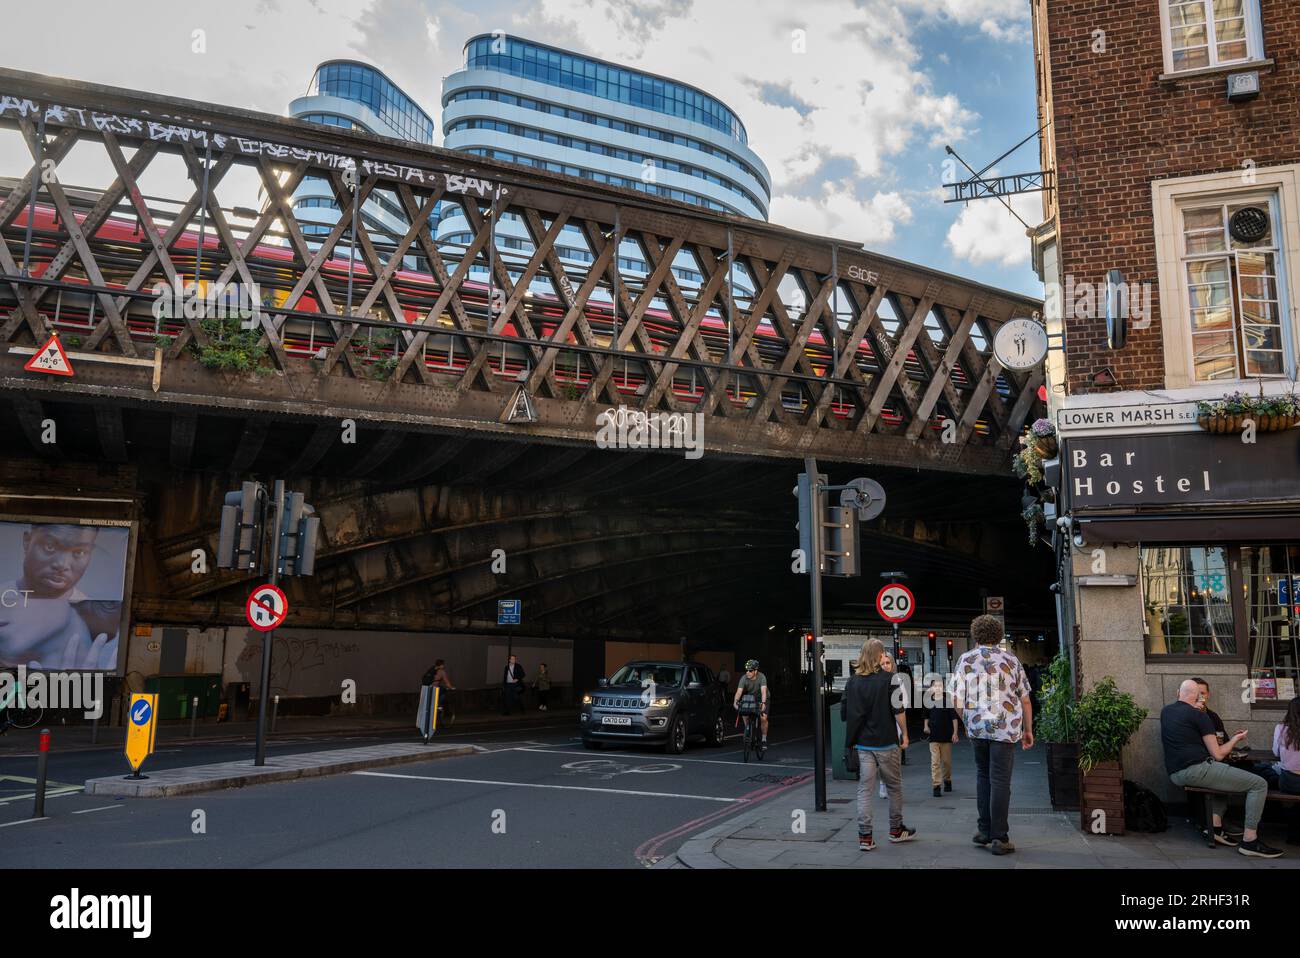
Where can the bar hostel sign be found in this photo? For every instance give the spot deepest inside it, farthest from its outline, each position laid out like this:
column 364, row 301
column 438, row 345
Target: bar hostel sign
column 1126, row 471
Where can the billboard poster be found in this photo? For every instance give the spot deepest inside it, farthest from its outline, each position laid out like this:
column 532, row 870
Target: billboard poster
column 63, row 587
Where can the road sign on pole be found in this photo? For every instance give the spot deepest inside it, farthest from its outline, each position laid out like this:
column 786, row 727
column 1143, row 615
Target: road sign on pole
column 142, row 724
column 267, row 608
column 510, row 611
column 895, row 602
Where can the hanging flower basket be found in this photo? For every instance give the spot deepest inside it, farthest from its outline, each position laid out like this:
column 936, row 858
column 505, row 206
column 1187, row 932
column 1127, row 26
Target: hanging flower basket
column 1228, row 422
column 1229, row 414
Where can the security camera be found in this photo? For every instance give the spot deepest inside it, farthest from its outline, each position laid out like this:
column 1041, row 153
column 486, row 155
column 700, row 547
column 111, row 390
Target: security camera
column 1064, row 522
column 1078, row 538
column 1054, row 587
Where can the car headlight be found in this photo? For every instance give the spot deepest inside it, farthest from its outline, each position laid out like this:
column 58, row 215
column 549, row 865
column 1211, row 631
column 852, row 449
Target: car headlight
column 586, row 700
column 661, row 703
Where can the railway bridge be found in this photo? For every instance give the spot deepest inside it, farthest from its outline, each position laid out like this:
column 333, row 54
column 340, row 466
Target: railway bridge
column 442, row 401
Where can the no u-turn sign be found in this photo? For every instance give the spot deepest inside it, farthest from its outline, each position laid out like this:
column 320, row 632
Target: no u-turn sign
column 266, row 608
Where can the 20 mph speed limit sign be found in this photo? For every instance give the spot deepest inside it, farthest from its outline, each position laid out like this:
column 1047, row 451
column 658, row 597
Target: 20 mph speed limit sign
column 267, row 608
column 895, row 603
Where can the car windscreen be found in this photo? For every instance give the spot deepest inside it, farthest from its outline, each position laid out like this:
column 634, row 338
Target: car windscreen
column 644, row 674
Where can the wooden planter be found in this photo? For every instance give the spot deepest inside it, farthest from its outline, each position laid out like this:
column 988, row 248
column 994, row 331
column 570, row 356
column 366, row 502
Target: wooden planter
column 1103, row 788
column 1063, row 775
column 1046, row 447
column 1232, row 422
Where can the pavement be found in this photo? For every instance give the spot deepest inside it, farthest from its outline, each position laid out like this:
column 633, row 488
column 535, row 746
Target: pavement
column 82, row 737
column 282, row 768
column 769, row 836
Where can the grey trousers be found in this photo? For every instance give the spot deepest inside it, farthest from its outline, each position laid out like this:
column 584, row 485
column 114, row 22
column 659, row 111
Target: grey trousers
column 888, row 765
column 1227, row 779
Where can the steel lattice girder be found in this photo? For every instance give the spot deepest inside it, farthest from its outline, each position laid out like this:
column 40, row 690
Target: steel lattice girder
column 822, row 382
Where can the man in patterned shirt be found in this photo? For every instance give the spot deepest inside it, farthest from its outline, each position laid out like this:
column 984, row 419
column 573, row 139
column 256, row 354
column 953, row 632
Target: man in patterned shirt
column 991, row 695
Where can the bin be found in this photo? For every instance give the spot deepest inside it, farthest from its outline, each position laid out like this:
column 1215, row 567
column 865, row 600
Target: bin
column 176, row 694
column 838, row 731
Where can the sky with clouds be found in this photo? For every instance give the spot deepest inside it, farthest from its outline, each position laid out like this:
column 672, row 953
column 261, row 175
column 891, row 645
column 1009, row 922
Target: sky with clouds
column 849, row 102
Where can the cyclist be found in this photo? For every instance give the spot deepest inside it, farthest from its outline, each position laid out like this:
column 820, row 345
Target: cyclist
column 754, row 682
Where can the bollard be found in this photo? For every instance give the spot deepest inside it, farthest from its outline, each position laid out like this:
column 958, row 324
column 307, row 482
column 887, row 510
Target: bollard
column 194, row 714
column 42, row 763
column 275, row 711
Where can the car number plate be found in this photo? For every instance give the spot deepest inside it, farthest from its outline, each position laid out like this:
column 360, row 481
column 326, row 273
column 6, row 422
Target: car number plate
column 616, row 720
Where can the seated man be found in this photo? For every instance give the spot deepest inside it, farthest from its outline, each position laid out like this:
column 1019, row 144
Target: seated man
column 1194, row 757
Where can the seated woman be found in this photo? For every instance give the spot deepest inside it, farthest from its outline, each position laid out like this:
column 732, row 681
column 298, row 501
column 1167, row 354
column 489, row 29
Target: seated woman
column 1286, row 746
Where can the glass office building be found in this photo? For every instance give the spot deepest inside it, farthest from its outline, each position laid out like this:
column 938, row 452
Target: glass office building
column 355, row 96
column 563, row 112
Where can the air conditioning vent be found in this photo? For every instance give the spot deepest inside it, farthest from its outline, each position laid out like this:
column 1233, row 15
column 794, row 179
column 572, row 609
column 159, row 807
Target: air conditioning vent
column 1249, row 224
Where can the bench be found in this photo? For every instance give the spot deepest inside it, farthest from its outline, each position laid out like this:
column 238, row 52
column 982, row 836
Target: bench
column 1286, row 798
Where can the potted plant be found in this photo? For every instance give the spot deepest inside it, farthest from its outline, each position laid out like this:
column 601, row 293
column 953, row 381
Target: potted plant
column 1033, row 516
column 1044, row 437
column 1105, row 719
column 1269, row 413
column 1055, row 727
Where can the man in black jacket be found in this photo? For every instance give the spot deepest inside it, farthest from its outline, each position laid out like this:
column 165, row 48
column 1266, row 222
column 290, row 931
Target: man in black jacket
column 512, row 686
column 873, row 709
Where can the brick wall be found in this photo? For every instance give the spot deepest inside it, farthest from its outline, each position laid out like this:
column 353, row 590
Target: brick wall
column 1118, row 128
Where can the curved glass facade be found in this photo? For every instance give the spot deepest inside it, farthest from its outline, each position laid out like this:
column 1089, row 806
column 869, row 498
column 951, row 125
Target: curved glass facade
column 609, row 122
column 574, row 72
column 363, row 84
column 590, row 146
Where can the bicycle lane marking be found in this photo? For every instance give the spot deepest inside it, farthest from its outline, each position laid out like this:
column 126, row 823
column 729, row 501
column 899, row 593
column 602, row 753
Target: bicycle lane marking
column 647, row 853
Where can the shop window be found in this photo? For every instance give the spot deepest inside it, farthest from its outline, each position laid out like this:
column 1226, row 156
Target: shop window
column 1187, row 600
column 1271, row 583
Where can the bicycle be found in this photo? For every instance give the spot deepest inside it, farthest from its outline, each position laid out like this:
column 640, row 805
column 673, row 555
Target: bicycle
column 750, row 711
column 15, row 712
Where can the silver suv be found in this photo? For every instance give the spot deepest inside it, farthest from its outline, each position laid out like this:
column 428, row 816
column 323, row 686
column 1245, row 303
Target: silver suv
column 660, row 703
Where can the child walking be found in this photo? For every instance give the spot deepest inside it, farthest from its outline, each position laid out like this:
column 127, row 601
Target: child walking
column 941, row 729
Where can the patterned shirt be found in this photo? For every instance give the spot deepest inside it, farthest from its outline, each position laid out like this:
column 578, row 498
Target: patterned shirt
column 988, row 685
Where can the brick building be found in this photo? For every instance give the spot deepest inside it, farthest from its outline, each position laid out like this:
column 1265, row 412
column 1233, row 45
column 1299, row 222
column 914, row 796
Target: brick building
column 1171, row 254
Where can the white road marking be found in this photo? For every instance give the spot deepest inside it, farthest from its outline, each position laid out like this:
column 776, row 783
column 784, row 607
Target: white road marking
column 676, row 758
column 101, row 808
column 50, row 793
column 561, row 788
column 22, row 821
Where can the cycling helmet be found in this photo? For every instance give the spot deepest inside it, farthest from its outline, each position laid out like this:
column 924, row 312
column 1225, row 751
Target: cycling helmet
column 751, row 665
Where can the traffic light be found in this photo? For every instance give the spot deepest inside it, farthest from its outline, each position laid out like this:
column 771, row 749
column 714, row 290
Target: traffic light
column 950, row 650
column 812, row 511
column 842, row 554
column 298, row 528
column 240, row 539
column 933, row 643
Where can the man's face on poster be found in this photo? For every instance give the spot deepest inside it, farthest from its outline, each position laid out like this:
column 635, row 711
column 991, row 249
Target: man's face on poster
column 55, row 557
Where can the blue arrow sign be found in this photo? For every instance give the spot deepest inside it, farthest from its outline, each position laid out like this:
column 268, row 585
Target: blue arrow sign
column 140, row 713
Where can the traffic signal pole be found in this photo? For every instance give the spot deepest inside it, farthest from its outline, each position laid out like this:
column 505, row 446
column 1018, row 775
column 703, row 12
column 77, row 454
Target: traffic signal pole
column 815, row 597
column 268, row 638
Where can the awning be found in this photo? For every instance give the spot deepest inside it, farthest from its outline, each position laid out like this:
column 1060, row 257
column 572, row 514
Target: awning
column 1184, row 527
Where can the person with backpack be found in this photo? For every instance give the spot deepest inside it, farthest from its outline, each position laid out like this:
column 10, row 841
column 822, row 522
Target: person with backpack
column 875, row 731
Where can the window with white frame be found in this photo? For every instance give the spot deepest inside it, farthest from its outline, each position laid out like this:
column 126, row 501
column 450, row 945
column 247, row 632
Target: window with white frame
column 1231, row 269
column 1199, row 34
